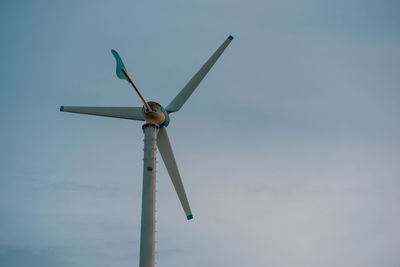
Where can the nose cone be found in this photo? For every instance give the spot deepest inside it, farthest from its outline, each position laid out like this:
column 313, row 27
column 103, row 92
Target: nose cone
column 157, row 116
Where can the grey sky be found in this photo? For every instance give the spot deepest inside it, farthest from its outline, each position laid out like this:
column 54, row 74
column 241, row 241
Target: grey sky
column 289, row 149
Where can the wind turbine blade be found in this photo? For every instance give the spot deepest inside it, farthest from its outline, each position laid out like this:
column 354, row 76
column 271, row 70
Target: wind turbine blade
column 164, row 146
column 185, row 93
column 123, row 74
column 130, row 113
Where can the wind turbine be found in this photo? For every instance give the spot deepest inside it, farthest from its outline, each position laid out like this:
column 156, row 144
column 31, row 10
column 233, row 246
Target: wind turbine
column 155, row 133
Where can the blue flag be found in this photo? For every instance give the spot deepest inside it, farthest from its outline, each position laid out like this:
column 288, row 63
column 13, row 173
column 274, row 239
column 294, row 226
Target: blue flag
column 120, row 65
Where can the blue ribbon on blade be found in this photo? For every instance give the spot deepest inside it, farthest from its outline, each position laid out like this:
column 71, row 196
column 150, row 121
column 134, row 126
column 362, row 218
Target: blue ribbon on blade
column 120, row 65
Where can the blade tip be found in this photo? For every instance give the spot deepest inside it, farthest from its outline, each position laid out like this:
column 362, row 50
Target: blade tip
column 230, row 37
column 62, row 108
column 189, row 217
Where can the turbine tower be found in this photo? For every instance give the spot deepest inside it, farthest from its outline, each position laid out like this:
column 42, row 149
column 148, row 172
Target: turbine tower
column 155, row 135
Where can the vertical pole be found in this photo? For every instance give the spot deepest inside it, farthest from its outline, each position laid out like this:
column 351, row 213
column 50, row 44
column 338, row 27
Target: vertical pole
column 147, row 233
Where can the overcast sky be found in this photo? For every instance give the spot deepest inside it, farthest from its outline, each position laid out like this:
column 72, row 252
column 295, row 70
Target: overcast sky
column 289, row 149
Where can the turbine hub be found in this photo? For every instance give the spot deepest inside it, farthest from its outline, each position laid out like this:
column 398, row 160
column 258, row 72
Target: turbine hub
column 158, row 116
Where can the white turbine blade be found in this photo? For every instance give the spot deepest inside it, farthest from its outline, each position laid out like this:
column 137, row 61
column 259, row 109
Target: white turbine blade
column 164, row 146
column 130, row 113
column 185, row 93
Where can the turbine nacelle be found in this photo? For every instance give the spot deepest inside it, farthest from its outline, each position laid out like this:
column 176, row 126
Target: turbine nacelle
column 157, row 115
